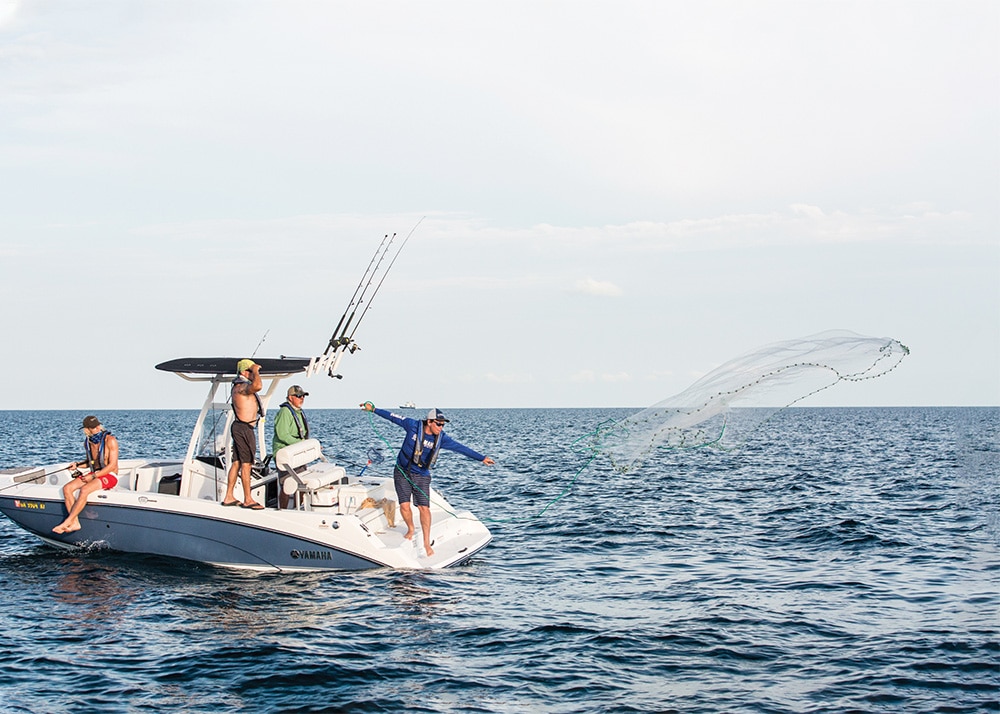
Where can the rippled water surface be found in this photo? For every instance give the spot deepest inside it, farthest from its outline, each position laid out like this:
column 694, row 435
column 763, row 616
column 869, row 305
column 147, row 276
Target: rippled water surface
column 846, row 560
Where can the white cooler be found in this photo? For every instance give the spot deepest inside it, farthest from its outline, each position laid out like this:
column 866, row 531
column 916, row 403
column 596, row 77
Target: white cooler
column 350, row 497
column 325, row 497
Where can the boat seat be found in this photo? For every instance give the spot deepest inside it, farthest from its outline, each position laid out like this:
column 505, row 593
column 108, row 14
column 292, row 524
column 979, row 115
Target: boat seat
column 302, row 453
column 312, row 478
column 306, row 470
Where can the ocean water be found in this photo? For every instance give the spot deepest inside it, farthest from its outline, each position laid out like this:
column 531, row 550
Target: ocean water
column 846, row 560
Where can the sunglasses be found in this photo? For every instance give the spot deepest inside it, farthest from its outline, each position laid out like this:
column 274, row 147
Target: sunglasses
column 440, row 423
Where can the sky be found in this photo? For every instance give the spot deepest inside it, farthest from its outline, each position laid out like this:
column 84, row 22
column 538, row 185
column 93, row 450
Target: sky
column 611, row 199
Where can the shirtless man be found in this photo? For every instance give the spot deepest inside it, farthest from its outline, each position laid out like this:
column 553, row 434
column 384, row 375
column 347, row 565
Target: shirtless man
column 100, row 449
column 247, row 410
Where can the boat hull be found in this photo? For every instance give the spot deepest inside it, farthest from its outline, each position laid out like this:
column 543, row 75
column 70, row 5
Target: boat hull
column 177, row 535
column 207, row 532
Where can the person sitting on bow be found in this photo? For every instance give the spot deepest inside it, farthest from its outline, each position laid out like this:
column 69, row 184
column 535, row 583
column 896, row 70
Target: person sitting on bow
column 101, row 459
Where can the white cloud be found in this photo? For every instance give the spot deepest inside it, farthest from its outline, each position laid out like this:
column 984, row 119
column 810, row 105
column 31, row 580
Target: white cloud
column 8, row 12
column 600, row 288
column 587, row 376
column 616, row 377
column 509, row 378
column 814, row 212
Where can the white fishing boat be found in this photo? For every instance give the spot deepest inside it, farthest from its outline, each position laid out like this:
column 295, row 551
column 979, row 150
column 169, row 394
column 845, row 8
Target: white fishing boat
column 407, row 405
column 333, row 520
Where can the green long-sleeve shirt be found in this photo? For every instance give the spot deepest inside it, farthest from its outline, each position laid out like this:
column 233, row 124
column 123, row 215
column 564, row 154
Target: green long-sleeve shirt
column 290, row 427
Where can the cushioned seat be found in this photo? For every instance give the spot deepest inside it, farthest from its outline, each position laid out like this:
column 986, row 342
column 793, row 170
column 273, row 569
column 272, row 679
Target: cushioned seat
column 312, row 478
column 302, row 453
column 306, row 470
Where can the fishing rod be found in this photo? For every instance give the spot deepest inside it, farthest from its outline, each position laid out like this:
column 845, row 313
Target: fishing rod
column 341, row 341
column 377, row 287
column 334, row 339
column 268, row 330
column 361, row 299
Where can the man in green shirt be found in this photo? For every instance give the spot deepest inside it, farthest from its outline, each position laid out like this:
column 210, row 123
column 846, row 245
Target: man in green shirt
column 290, row 427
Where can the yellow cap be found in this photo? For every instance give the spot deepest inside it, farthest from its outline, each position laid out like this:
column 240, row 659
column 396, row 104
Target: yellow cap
column 244, row 364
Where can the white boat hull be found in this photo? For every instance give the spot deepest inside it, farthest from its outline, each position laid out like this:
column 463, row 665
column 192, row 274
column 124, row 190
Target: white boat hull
column 203, row 530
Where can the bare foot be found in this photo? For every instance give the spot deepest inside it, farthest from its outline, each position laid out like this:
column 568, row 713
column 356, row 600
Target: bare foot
column 72, row 527
column 409, row 535
column 59, row 529
column 430, row 551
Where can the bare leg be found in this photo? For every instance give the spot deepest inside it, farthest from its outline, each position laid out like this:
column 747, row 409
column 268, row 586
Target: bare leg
column 231, row 482
column 245, row 478
column 69, row 492
column 407, row 514
column 72, row 522
column 425, row 526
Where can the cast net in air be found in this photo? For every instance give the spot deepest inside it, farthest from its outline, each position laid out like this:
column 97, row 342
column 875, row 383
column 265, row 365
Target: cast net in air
column 722, row 409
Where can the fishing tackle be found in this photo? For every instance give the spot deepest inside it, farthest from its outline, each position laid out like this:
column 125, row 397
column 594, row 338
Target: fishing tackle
column 338, row 337
column 266, row 332
column 343, row 341
column 379, row 286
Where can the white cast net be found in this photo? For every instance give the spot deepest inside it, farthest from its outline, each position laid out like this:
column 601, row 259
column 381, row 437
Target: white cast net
column 722, row 409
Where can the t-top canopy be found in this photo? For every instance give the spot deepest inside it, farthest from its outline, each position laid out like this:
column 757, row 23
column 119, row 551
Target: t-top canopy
column 227, row 365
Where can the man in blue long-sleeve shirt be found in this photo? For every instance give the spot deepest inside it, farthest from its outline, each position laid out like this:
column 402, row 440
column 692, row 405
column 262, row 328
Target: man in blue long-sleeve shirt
column 412, row 474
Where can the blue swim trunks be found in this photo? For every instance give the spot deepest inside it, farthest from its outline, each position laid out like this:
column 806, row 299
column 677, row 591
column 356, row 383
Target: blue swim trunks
column 407, row 485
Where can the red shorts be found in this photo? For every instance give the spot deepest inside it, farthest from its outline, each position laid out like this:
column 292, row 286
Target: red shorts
column 108, row 481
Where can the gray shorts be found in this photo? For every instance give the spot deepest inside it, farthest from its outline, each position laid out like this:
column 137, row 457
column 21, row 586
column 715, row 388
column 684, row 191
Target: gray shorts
column 412, row 485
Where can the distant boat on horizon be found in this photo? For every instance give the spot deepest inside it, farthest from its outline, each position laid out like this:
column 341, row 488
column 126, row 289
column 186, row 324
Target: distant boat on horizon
column 407, row 405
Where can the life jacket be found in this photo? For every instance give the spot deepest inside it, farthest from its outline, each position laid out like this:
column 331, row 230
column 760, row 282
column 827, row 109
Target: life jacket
column 301, row 424
column 260, row 407
column 418, row 450
column 95, row 464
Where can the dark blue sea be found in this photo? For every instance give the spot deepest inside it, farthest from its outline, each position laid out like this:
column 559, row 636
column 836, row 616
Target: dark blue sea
column 846, row 560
